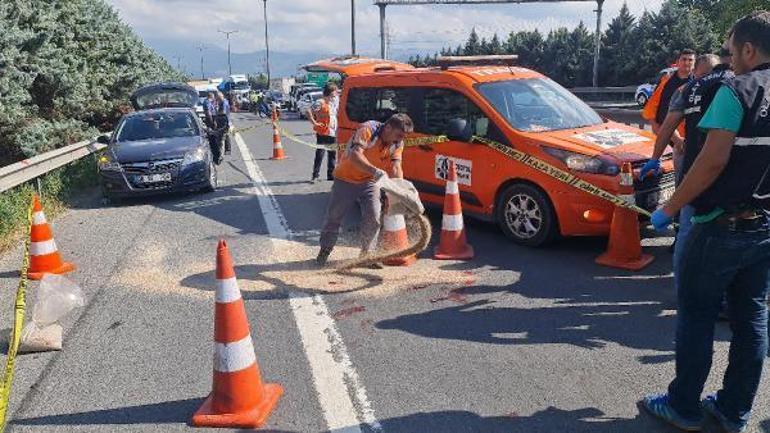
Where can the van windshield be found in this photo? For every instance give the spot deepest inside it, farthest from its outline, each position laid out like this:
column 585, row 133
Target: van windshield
column 538, row 104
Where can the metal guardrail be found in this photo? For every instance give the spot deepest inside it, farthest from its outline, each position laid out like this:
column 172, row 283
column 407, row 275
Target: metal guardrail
column 23, row 171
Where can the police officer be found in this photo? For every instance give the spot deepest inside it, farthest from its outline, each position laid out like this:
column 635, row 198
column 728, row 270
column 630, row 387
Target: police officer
column 728, row 249
column 689, row 103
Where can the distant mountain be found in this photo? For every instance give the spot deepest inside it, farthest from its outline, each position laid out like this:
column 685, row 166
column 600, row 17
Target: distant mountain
column 179, row 53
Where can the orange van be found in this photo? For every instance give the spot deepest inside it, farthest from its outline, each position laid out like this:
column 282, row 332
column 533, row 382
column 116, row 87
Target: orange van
column 520, row 108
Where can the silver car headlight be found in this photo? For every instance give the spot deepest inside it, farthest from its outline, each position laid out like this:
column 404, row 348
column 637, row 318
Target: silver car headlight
column 588, row 164
column 195, row 155
column 106, row 163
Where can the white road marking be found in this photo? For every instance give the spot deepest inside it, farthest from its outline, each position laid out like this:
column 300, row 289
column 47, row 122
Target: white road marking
column 341, row 394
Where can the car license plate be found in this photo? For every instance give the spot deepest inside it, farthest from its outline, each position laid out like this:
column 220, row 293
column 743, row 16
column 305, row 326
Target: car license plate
column 154, row 178
column 658, row 198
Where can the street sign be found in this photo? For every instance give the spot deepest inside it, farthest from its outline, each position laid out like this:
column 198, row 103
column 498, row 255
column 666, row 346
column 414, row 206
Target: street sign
column 319, row 78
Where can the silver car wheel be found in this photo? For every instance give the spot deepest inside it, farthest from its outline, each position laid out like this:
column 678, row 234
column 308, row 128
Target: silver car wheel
column 523, row 216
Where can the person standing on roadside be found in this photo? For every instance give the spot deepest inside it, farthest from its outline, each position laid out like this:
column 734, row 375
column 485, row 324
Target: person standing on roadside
column 373, row 153
column 728, row 249
column 689, row 103
column 223, row 122
column 656, row 109
column 210, row 109
column 323, row 116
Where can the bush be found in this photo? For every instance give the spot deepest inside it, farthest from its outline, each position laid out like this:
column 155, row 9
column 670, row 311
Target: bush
column 56, row 189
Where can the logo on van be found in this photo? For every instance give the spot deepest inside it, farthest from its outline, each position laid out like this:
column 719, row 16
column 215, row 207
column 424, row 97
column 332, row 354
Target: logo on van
column 463, row 167
column 611, row 137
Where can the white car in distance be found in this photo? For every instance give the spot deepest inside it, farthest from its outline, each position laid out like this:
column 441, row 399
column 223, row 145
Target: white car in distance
column 307, row 102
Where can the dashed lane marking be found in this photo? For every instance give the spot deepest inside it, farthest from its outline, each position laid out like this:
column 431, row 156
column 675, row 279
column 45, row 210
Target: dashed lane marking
column 341, row 394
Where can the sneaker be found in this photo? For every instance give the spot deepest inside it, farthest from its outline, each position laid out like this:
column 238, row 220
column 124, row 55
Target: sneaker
column 375, row 265
column 314, row 179
column 710, row 407
column 329, row 177
column 323, row 257
column 657, row 405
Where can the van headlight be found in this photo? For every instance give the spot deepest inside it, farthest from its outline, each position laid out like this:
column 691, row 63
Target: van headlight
column 588, row 164
column 106, row 163
column 195, row 155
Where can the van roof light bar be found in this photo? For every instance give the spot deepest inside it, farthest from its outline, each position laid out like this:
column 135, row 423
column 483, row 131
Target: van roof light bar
column 445, row 62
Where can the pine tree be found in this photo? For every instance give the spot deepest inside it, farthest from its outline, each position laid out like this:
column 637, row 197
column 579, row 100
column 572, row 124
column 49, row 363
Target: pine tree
column 494, row 46
column 473, row 45
column 581, row 59
column 614, row 67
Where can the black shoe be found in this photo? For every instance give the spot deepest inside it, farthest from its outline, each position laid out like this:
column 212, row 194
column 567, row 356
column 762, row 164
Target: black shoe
column 375, row 265
column 330, row 177
column 314, row 179
column 323, row 257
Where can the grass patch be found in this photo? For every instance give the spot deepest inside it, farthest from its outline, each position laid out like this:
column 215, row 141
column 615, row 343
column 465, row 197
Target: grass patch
column 57, row 189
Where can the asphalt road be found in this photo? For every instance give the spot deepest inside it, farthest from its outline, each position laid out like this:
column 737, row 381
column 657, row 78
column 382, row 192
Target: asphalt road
column 516, row 340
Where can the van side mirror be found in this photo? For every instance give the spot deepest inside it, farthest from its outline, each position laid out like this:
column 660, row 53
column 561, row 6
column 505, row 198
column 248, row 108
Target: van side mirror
column 103, row 139
column 458, row 130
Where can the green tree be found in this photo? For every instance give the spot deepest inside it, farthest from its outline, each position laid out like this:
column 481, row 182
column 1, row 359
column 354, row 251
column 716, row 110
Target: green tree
column 473, row 45
column 495, row 46
column 66, row 67
column 529, row 46
column 617, row 48
column 581, row 60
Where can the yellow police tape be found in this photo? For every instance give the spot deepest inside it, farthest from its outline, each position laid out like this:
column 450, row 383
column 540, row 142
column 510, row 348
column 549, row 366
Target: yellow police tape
column 516, row 155
column 18, row 323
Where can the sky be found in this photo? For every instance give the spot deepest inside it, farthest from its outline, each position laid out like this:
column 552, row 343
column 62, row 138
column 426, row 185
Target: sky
column 324, row 25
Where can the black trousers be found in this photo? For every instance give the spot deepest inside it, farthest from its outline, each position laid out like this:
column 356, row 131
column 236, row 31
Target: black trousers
column 331, row 157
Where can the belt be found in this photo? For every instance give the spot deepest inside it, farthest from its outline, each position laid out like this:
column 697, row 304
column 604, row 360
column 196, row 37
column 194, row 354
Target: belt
column 745, row 221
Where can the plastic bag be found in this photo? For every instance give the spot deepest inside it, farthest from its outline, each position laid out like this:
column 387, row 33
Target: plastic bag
column 55, row 298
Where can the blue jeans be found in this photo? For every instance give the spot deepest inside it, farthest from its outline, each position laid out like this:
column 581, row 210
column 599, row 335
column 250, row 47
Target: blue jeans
column 685, row 225
column 718, row 262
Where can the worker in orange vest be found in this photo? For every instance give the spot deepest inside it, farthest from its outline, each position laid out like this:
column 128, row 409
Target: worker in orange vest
column 323, row 116
column 657, row 107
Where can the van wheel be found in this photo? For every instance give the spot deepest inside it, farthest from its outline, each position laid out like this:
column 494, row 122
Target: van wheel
column 526, row 215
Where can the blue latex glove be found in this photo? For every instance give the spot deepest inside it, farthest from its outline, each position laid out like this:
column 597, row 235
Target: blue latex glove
column 653, row 165
column 660, row 220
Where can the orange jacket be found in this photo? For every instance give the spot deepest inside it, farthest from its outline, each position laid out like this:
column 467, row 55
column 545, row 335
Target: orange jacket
column 651, row 109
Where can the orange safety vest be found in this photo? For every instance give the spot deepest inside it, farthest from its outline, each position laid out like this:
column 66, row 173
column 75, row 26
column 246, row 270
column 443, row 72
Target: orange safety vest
column 649, row 111
column 323, row 118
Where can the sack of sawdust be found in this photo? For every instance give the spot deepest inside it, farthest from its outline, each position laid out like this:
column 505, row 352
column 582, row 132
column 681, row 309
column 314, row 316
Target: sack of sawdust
column 403, row 197
column 34, row 339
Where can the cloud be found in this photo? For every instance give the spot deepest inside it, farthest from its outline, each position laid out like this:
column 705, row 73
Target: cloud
column 324, row 25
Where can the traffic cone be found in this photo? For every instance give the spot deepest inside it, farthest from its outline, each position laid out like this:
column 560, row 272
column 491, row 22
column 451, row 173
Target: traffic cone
column 625, row 249
column 44, row 257
column 239, row 399
column 395, row 238
column 277, row 147
column 453, row 245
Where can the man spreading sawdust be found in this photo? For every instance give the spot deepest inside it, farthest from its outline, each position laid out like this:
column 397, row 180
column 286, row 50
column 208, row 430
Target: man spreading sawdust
column 374, row 152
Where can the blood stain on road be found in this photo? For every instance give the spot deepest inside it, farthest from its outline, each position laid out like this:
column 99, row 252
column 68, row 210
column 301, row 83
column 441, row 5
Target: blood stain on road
column 347, row 312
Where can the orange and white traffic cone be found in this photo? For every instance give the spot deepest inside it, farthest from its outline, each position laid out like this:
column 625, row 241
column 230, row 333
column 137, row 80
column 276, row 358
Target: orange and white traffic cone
column 625, row 248
column 277, row 146
column 239, row 399
column 44, row 257
column 394, row 238
column 453, row 244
